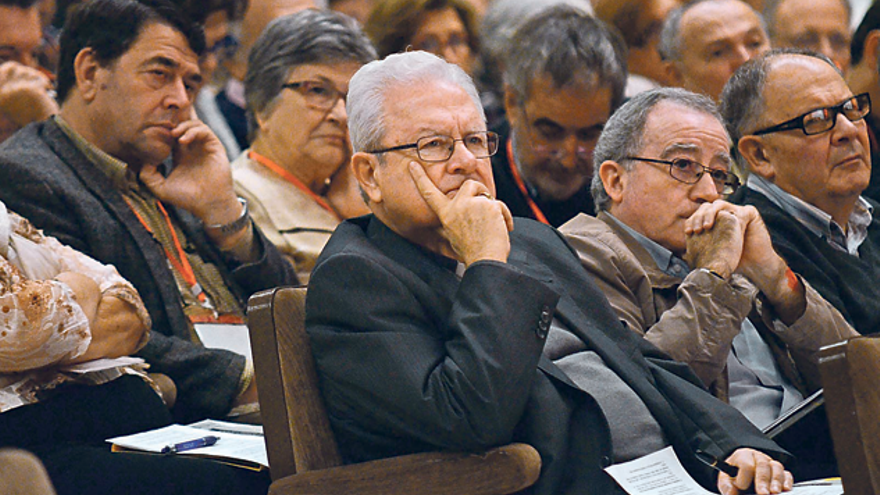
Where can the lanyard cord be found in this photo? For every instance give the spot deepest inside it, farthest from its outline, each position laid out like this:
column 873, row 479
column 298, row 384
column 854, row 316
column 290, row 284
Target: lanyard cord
column 180, row 262
column 262, row 160
column 539, row 215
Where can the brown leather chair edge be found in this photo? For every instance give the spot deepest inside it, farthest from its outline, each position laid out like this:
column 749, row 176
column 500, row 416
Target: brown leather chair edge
column 302, row 450
column 850, row 372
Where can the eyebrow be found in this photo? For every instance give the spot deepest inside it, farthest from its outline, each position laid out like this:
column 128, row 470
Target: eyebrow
column 172, row 64
column 691, row 149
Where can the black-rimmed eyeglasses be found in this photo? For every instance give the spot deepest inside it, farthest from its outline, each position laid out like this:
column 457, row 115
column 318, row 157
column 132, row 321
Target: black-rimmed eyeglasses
column 690, row 172
column 823, row 119
column 440, row 148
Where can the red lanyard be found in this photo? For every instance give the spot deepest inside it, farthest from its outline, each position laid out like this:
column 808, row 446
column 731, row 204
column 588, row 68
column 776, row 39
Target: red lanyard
column 180, row 262
column 539, row 215
column 262, row 160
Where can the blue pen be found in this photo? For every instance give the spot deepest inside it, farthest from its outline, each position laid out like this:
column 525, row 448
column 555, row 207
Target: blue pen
column 190, row 445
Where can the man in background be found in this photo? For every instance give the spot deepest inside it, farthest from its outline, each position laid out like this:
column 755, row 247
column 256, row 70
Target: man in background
column 563, row 77
column 818, row 25
column 25, row 91
column 706, row 40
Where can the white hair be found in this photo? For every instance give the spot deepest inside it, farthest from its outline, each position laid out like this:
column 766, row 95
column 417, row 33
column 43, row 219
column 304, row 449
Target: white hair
column 376, row 81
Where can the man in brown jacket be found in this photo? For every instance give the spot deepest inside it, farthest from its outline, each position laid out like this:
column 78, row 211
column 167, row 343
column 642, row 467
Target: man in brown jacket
column 696, row 275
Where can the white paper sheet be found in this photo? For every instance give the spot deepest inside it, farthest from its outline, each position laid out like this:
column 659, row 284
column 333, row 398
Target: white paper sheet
column 231, row 337
column 661, row 473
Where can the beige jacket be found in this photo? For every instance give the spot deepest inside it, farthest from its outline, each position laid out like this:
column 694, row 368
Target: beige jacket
column 695, row 320
column 289, row 218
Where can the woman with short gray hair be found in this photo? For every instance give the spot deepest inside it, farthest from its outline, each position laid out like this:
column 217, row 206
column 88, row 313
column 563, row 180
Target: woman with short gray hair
column 294, row 176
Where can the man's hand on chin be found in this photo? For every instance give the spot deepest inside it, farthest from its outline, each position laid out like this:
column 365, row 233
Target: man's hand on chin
column 474, row 223
column 201, row 180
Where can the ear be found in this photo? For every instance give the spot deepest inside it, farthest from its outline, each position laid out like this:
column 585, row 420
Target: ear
column 872, row 45
column 87, row 71
column 614, row 179
column 756, row 153
column 512, row 108
column 365, row 167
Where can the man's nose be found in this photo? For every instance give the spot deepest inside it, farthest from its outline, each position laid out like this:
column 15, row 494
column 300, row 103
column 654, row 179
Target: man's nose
column 845, row 129
column 462, row 160
column 569, row 151
column 705, row 189
column 178, row 96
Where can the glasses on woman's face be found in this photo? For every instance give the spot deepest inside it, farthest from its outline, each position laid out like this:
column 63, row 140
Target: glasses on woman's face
column 823, row 119
column 440, row 148
column 320, row 95
column 690, row 172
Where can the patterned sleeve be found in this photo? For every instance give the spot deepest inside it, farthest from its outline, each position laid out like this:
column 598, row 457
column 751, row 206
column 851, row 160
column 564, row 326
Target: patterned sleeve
column 40, row 322
column 108, row 279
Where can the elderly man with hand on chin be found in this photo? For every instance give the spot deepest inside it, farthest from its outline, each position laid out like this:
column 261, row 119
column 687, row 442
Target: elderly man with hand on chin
column 439, row 322
column 696, row 275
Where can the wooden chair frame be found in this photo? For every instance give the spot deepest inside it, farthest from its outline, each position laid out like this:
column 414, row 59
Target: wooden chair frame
column 303, row 454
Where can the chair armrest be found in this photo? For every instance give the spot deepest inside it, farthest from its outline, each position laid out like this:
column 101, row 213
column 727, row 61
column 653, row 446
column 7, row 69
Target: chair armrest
column 499, row 471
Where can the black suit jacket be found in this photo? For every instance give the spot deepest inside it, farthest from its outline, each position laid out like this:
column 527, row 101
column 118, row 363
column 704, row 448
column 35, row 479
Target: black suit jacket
column 411, row 358
column 46, row 179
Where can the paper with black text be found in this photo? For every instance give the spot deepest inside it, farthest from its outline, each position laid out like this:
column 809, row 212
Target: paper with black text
column 659, row 473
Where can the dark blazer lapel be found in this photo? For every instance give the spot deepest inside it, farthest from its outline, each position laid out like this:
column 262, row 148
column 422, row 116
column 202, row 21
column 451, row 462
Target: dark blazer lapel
column 102, row 188
column 438, row 272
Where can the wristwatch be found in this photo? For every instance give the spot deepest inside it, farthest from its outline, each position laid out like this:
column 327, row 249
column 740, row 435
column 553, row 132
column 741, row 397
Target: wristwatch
column 233, row 226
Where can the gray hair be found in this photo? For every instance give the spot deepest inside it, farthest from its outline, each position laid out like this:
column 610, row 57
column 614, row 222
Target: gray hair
column 772, row 6
column 374, row 82
column 670, row 36
column 307, row 37
column 501, row 22
column 622, row 136
column 742, row 101
column 571, row 47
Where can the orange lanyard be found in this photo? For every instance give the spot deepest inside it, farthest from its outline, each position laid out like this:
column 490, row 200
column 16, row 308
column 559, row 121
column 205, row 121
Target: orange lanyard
column 180, row 262
column 539, row 215
column 262, row 160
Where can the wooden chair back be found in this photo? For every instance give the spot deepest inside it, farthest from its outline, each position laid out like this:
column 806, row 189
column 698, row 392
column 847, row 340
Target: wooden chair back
column 850, row 376
column 295, row 423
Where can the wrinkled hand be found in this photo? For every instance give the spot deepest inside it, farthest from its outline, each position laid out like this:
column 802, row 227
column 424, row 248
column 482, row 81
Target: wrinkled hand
column 115, row 326
column 714, row 240
column 475, row 225
column 24, row 94
column 755, row 468
column 201, row 181
column 758, row 261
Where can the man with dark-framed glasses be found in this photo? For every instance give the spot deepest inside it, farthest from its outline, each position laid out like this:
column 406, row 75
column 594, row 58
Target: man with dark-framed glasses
column 808, row 152
column 686, row 269
column 564, row 75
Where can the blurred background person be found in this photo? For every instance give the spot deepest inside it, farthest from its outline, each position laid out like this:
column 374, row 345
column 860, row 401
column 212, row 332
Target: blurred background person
column 446, row 28
column 217, row 18
column 640, row 22
column 565, row 75
column 501, row 21
column 818, row 25
column 864, row 77
column 705, row 41
column 295, row 176
column 25, row 90
column 230, row 98
column 359, row 9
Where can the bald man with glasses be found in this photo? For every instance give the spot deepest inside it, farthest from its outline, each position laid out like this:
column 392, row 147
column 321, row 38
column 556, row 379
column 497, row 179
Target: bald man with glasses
column 808, row 153
column 696, row 275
